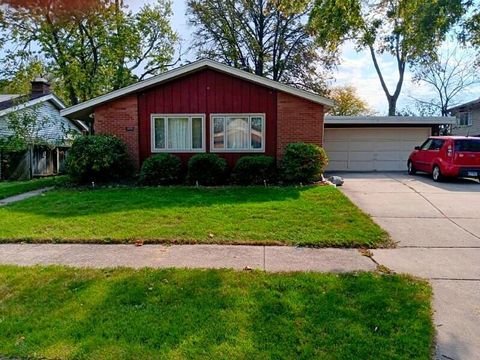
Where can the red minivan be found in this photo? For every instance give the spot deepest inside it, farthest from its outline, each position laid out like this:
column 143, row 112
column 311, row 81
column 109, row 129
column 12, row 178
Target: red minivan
column 447, row 156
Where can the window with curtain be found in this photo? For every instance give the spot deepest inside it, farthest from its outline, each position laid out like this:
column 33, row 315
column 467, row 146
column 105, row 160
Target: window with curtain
column 242, row 132
column 178, row 133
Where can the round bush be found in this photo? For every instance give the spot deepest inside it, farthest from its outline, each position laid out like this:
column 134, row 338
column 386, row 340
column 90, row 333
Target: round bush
column 303, row 163
column 98, row 158
column 254, row 170
column 207, row 169
column 162, row 169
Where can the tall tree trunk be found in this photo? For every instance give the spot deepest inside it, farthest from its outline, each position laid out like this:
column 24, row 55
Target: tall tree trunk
column 391, row 98
column 392, row 105
column 445, row 110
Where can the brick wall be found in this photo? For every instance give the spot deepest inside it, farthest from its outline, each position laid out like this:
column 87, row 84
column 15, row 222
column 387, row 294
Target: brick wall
column 298, row 120
column 120, row 118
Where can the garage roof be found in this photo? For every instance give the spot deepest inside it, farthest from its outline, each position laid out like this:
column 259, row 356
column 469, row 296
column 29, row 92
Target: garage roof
column 85, row 108
column 390, row 120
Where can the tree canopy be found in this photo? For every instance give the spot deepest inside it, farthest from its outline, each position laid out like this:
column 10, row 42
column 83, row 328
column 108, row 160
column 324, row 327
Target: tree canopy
column 18, row 80
column 348, row 102
column 88, row 47
column 265, row 37
column 405, row 29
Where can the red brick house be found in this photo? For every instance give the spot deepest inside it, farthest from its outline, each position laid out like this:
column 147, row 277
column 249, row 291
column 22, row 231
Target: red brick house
column 206, row 107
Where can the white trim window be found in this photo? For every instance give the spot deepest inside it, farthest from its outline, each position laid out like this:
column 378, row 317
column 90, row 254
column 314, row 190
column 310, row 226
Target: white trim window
column 178, row 132
column 237, row 133
column 465, row 118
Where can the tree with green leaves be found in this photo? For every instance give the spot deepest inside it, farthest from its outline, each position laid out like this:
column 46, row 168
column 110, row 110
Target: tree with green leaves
column 18, row 80
column 469, row 35
column 471, row 28
column 265, row 37
column 408, row 30
column 90, row 49
column 348, row 102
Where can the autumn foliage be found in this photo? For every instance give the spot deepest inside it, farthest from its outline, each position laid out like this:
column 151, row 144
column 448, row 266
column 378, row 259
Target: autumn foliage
column 58, row 7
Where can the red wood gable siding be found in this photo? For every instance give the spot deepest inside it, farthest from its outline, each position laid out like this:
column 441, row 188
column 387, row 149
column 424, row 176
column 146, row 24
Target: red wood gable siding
column 208, row 92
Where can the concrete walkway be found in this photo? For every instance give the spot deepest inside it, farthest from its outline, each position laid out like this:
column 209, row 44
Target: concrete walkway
column 23, row 196
column 437, row 230
column 269, row 258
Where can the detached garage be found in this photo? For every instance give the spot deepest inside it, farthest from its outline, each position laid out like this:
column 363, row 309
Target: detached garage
column 376, row 143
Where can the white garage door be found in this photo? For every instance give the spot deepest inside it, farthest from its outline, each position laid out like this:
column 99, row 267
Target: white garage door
column 371, row 149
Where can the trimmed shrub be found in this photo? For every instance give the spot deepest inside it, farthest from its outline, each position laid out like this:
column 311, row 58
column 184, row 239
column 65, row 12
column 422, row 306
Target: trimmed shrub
column 98, row 158
column 161, row 169
column 207, row 169
column 303, row 163
column 254, row 170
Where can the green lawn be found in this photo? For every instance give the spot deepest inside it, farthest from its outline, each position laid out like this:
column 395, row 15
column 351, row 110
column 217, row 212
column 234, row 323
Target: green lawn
column 11, row 188
column 312, row 216
column 66, row 313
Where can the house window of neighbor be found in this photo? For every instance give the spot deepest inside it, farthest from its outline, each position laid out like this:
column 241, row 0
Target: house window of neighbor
column 238, row 132
column 178, row 133
column 465, row 118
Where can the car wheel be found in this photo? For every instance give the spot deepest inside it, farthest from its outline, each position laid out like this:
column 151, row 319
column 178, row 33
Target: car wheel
column 437, row 174
column 411, row 168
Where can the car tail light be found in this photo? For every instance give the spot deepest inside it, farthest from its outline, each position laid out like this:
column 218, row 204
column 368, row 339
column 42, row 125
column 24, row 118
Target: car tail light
column 449, row 151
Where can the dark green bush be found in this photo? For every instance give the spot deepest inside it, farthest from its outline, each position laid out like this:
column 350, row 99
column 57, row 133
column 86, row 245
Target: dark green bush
column 254, row 170
column 161, row 169
column 303, row 163
column 207, row 169
column 99, row 158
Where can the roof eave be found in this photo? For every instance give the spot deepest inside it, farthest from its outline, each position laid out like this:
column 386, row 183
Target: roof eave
column 87, row 106
column 389, row 120
column 48, row 97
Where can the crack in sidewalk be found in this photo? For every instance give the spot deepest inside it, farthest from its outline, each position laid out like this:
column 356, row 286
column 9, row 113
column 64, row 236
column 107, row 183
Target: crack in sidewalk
column 379, row 267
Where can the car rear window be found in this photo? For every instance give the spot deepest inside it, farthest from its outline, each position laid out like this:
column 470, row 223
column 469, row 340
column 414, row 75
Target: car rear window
column 467, row 145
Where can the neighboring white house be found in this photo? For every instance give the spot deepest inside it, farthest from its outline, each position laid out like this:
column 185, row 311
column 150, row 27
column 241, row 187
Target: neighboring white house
column 468, row 118
column 45, row 160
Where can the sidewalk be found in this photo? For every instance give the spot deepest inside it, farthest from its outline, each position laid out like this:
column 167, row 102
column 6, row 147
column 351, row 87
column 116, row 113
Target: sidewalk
column 23, row 196
column 269, row 258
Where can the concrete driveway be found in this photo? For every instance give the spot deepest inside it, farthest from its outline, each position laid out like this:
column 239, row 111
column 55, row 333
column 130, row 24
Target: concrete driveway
column 437, row 230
